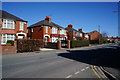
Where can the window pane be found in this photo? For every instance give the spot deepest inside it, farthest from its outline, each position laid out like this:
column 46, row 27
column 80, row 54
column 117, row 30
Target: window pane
column 21, row 25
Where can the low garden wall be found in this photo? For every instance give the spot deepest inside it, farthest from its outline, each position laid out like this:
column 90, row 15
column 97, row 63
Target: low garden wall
column 9, row 49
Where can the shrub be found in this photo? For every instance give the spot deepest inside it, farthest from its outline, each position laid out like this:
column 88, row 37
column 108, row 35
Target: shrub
column 79, row 38
column 79, row 43
column 10, row 42
column 94, row 41
column 28, row 45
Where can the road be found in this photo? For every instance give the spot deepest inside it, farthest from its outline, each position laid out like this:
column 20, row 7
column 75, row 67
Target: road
column 72, row 63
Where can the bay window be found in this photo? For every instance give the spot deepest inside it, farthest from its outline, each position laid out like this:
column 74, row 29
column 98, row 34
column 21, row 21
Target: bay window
column 8, row 24
column 6, row 37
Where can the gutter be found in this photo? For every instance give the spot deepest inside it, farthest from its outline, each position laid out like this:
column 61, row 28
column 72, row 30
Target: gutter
column 108, row 74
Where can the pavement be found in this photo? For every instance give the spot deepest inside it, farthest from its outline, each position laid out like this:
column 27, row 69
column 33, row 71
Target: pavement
column 46, row 49
column 81, row 62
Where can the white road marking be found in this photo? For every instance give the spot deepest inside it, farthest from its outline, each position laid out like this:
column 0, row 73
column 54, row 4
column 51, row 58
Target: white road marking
column 87, row 67
column 69, row 76
column 77, row 72
column 82, row 69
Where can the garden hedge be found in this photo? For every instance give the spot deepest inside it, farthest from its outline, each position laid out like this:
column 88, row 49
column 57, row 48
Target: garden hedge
column 79, row 43
column 97, row 41
column 29, row 45
column 94, row 41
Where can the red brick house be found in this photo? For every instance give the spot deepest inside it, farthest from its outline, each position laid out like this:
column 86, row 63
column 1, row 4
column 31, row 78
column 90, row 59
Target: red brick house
column 47, row 31
column 73, row 34
column 12, row 27
column 94, row 35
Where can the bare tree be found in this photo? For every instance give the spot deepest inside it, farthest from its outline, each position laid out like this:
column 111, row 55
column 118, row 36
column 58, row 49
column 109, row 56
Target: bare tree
column 104, row 34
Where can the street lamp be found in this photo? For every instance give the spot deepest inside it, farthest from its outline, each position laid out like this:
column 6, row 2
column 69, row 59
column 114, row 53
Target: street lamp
column 99, row 34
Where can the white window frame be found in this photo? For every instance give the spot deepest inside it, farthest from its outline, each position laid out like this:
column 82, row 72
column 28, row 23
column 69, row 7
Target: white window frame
column 77, row 34
column 32, row 29
column 86, row 36
column 62, row 31
column 27, row 31
column 7, row 37
column 80, row 34
column 54, row 30
column 46, row 29
column 21, row 25
column 9, row 24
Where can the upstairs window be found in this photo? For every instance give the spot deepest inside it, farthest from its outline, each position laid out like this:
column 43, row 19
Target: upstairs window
column 32, row 30
column 46, row 29
column 21, row 25
column 80, row 34
column 8, row 24
column 54, row 30
column 86, row 36
column 62, row 31
column 77, row 34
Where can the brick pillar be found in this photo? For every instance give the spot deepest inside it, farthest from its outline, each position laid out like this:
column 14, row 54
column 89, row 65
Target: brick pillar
column 15, row 46
column 68, row 44
column 59, row 44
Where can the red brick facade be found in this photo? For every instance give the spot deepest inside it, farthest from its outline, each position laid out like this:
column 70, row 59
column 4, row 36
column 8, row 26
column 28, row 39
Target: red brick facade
column 95, row 35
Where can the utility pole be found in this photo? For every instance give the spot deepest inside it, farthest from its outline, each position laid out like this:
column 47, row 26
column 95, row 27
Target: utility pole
column 99, row 34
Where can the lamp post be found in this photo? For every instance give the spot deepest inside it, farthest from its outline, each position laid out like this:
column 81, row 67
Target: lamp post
column 99, row 34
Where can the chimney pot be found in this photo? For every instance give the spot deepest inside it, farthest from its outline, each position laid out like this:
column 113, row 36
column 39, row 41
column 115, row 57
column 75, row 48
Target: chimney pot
column 80, row 29
column 48, row 18
column 70, row 25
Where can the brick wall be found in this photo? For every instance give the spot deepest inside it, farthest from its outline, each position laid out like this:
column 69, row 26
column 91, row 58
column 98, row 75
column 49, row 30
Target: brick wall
column 37, row 33
column 9, row 49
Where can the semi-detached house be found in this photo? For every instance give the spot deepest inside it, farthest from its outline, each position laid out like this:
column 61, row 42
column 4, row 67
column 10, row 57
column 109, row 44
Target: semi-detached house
column 47, row 31
column 12, row 27
column 73, row 34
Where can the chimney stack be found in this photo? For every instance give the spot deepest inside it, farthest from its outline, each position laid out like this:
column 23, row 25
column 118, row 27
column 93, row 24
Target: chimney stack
column 48, row 18
column 80, row 29
column 70, row 25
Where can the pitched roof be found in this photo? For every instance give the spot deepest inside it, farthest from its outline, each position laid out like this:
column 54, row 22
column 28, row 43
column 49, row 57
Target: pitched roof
column 45, row 23
column 7, row 15
column 90, row 33
column 81, row 31
column 70, row 29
